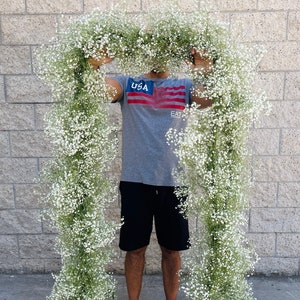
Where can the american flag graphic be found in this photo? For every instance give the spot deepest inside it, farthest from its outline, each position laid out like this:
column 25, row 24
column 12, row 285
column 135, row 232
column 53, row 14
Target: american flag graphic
column 145, row 93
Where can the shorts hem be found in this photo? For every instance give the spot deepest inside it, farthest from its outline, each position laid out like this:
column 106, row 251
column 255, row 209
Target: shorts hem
column 133, row 248
column 183, row 248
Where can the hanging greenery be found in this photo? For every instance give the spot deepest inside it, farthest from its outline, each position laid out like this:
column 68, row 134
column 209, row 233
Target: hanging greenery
column 212, row 149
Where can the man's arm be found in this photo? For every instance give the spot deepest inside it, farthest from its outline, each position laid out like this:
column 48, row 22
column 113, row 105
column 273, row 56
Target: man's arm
column 203, row 64
column 204, row 102
column 114, row 88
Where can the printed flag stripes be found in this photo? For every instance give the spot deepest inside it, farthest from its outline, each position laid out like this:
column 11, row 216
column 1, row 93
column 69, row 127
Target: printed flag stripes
column 145, row 93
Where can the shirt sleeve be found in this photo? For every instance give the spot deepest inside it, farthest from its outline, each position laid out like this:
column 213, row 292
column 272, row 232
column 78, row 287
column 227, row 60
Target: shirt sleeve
column 122, row 79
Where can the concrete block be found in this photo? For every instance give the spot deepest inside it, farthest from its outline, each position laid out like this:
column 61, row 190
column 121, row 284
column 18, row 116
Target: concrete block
column 15, row 60
column 186, row 257
column 115, row 168
column 113, row 214
column 43, row 164
column 20, row 221
column 9, row 247
column 4, row 144
column 277, row 266
column 115, row 116
column 32, row 265
column 6, row 196
column 280, row 56
column 28, row 29
column 37, row 246
column 48, row 227
column 294, row 25
column 259, row 26
column 131, row 5
column 290, row 142
column 278, row 5
column 289, row 194
column 223, row 17
column 276, row 168
column 27, row 89
column 10, row 266
column 54, row 6
column 153, row 257
column 34, row 51
column 18, row 170
column 116, row 264
column 52, row 265
column 288, row 245
column 274, row 220
column 28, row 196
column 30, row 144
column 264, row 141
column 292, row 86
column 262, row 243
column 227, row 5
column 283, row 114
column 12, row 6
column 40, row 111
column 263, row 194
column 16, row 117
column 187, row 5
column 272, row 84
column 64, row 21
column 2, row 93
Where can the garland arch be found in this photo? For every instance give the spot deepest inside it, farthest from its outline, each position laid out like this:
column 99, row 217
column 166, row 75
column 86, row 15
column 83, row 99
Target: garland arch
column 212, row 149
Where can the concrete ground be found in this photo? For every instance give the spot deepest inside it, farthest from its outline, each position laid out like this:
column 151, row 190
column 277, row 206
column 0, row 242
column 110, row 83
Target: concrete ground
column 37, row 287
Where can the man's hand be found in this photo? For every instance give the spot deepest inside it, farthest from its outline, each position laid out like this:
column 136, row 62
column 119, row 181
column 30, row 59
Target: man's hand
column 105, row 59
column 201, row 61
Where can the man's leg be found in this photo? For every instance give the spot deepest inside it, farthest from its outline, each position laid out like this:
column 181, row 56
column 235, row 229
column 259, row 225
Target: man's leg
column 171, row 263
column 134, row 267
column 137, row 211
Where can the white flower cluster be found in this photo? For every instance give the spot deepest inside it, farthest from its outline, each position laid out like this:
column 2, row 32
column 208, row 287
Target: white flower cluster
column 84, row 144
column 211, row 150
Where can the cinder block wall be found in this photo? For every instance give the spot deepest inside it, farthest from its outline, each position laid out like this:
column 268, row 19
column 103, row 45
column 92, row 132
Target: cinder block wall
column 26, row 243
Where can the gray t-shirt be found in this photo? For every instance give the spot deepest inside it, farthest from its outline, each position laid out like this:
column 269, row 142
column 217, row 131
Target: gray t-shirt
column 150, row 107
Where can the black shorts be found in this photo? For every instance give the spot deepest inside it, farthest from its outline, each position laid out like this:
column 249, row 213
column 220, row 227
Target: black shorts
column 140, row 203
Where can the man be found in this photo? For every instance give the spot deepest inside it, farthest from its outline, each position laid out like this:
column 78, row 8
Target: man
column 152, row 104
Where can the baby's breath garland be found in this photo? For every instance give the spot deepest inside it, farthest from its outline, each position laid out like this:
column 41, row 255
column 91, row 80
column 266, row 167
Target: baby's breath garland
column 84, row 144
column 212, row 149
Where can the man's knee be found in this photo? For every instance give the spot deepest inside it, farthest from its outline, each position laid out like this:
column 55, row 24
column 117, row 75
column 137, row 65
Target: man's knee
column 169, row 254
column 137, row 254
